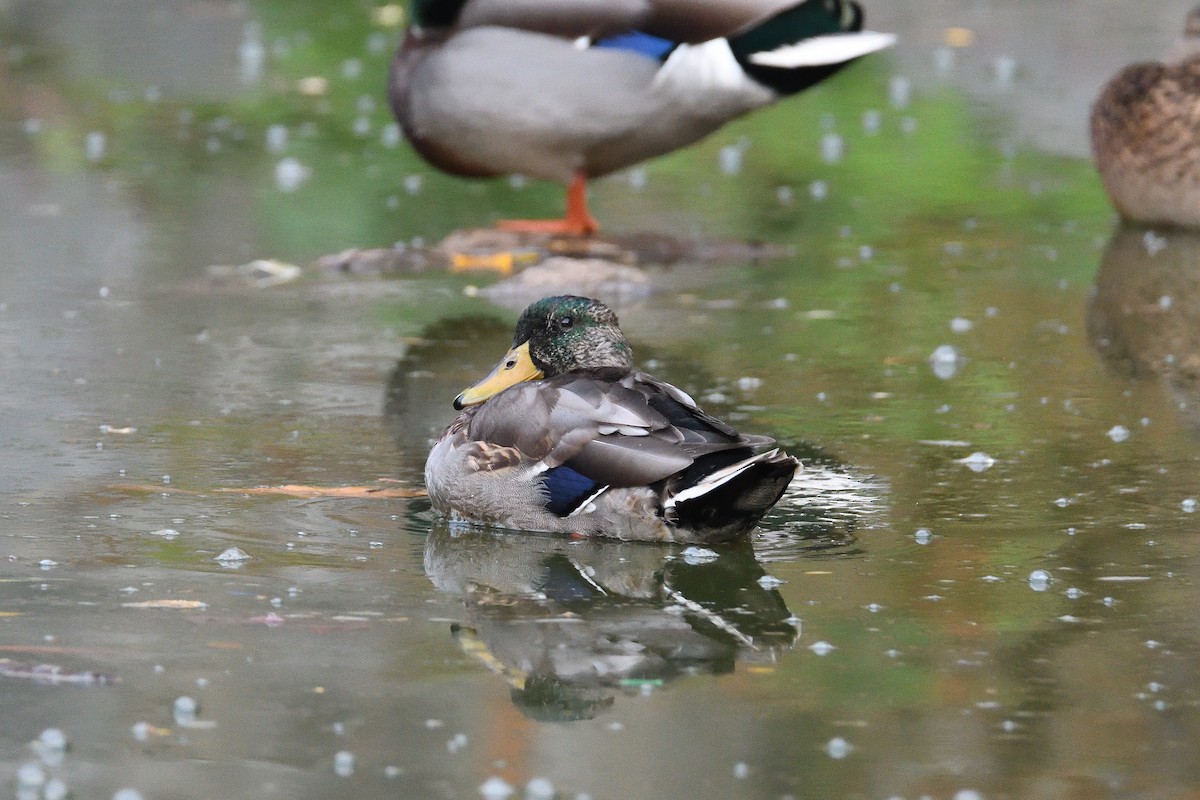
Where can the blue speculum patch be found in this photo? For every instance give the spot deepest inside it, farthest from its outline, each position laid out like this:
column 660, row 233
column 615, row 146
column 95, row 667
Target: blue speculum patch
column 641, row 43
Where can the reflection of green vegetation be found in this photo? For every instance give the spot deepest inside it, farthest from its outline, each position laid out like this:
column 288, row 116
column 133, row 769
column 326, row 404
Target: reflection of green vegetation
column 952, row 226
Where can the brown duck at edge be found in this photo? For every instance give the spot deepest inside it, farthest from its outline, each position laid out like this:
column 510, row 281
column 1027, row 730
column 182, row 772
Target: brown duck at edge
column 1145, row 140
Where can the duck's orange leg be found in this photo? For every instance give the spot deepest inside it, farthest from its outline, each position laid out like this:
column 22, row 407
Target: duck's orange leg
column 577, row 222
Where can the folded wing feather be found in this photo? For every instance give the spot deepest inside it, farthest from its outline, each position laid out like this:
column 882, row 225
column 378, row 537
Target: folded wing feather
column 632, row 432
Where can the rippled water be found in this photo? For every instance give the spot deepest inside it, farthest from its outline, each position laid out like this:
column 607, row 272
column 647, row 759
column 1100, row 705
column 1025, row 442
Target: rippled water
column 914, row 620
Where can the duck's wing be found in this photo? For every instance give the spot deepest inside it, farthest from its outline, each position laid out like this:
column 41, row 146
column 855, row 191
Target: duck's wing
column 675, row 20
column 609, row 429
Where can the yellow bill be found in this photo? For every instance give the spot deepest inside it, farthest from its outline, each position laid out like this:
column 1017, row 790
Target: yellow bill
column 515, row 367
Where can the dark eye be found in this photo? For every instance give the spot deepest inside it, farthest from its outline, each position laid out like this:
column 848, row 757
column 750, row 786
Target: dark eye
column 566, row 322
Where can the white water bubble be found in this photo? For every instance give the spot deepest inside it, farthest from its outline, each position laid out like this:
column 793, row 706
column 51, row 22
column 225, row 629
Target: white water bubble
column 184, row 710
column 749, row 384
column 1040, row 580
column 872, row 121
column 55, row 789
column 277, row 138
column 838, row 748
column 94, row 146
column 741, row 770
column 30, row 775
column 899, row 91
column 290, row 174
column 127, row 794
column 729, row 159
column 495, row 788
column 943, row 59
column 53, row 739
column 343, row 763
column 1188, row 504
column 978, row 462
column 833, row 148
column 698, row 555
column 822, row 648
column 1118, row 433
column 923, row 536
column 945, row 361
column 637, row 178
column 1152, row 243
column 233, row 556
column 1005, row 70
column 818, row 190
column 389, row 135
column 252, row 55
column 961, row 325
column 539, row 789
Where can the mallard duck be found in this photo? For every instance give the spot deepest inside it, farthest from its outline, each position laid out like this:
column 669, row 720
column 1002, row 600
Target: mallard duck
column 566, row 436
column 1144, row 136
column 567, row 90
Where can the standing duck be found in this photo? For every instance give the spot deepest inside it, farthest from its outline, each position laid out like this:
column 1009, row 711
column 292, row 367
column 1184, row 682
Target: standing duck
column 565, row 436
column 1145, row 138
column 567, row 90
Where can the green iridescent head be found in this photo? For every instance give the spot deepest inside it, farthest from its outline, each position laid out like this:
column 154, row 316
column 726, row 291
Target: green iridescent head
column 569, row 332
column 553, row 336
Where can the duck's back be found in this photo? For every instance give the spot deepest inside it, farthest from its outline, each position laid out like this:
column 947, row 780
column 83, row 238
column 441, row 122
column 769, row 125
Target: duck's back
column 607, row 452
column 1145, row 143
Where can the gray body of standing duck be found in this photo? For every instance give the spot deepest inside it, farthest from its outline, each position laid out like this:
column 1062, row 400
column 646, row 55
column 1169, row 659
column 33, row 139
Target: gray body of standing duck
column 567, row 90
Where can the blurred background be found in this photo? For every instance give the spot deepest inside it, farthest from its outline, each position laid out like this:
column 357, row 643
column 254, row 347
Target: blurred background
column 984, row 585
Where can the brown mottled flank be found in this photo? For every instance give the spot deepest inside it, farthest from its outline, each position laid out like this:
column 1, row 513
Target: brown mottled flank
column 1145, row 129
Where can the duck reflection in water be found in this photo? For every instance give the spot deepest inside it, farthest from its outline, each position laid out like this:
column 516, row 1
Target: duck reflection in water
column 1144, row 316
column 571, row 624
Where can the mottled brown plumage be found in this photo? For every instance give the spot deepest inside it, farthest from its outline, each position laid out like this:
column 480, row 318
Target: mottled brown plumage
column 1145, row 130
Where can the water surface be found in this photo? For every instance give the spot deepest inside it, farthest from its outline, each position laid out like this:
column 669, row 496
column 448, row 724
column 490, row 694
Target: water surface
column 913, row 621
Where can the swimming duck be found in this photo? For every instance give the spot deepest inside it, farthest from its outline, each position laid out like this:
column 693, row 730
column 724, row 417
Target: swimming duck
column 567, row 90
column 566, row 436
column 1144, row 138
